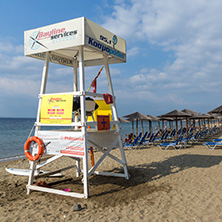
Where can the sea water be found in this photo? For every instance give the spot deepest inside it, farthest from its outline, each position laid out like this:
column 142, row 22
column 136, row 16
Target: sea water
column 13, row 134
column 15, row 131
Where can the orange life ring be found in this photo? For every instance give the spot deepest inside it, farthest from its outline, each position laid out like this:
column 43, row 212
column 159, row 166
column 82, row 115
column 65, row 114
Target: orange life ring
column 40, row 148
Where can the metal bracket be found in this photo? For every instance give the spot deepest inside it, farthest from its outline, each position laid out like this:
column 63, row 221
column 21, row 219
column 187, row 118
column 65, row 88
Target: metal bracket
column 83, row 124
column 82, row 93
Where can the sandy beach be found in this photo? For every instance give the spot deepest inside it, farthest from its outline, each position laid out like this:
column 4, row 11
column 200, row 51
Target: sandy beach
column 165, row 185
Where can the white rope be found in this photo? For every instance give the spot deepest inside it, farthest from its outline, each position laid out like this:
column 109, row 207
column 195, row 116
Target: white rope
column 31, row 131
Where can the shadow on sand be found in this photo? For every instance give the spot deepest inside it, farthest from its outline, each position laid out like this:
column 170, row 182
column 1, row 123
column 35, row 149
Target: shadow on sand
column 108, row 191
column 137, row 186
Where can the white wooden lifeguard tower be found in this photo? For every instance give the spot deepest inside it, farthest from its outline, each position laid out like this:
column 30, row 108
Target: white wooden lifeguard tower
column 77, row 43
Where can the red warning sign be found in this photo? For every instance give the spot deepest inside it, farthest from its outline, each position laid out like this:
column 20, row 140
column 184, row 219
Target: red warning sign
column 103, row 122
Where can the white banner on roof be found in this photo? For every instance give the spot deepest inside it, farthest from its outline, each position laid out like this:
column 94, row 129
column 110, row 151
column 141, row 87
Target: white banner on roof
column 104, row 41
column 52, row 37
column 63, row 40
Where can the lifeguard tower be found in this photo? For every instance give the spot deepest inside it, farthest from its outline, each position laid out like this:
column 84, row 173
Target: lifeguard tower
column 77, row 43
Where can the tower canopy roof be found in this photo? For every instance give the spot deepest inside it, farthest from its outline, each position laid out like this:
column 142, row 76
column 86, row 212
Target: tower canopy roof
column 63, row 40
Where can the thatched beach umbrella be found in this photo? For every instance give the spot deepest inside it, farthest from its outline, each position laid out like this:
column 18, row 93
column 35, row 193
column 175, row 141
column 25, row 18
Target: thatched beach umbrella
column 204, row 117
column 152, row 119
column 165, row 119
column 218, row 117
column 123, row 120
column 217, row 110
column 200, row 117
column 192, row 113
column 175, row 114
column 196, row 117
column 136, row 117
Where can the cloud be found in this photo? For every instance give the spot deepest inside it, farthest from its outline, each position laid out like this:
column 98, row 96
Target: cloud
column 7, row 47
column 190, row 30
column 174, row 56
column 18, row 74
column 19, row 87
column 21, row 76
column 133, row 51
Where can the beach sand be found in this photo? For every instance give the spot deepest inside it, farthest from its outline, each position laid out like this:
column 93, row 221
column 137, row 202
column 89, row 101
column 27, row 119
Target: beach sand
column 169, row 185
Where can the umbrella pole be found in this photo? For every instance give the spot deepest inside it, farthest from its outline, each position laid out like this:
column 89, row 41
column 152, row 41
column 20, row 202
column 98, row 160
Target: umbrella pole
column 176, row 129
column 150, row 126
column 137, row 127
column 171, row 125
column 199, row 125
column 194, row 127
column 142, row 127
column 132, row 129
column 187, row 126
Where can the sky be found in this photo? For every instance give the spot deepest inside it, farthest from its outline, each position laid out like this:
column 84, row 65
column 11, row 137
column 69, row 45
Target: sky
column 174, row 54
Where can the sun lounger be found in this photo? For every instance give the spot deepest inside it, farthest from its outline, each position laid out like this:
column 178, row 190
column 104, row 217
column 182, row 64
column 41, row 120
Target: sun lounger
column 212, row 145
column 143, row 139
column 187, row 139
column 172, row 134
column 161, row 139
column 134, row 144
column 174, row 144
column 217, row 140
column 195, row 138
column 151, row 139
column 148, row 136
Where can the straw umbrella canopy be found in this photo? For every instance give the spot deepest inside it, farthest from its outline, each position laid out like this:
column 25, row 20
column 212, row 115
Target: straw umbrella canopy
column 123, row 120
column 191, row 112
column 218, row 117
column 152, row 119
column 217, row 110
column 136, row 117
column 175, row 114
